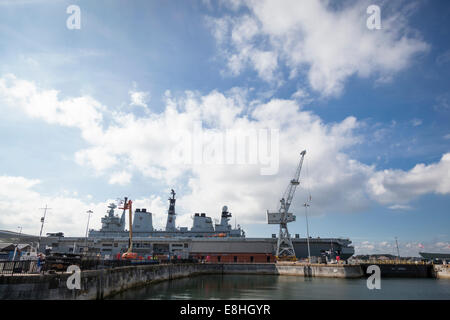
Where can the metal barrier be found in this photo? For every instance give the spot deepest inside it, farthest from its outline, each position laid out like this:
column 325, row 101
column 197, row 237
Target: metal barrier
column 61, row 264
column 373, row 261
column 18, row 267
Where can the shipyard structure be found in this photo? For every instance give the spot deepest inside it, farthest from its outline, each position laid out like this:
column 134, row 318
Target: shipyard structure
column 204, row 240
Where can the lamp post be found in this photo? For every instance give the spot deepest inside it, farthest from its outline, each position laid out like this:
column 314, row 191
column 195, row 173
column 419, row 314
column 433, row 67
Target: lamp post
column 42, row 225
column 87, row 228
column 18, row 242
column 398, row 251
column 307, row 231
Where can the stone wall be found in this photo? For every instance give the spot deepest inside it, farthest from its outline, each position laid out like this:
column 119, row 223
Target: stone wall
column 441, row 271
column 99, row 284
column 321, row 270
column 402, row 270
column 290, row 269
column 96, row 284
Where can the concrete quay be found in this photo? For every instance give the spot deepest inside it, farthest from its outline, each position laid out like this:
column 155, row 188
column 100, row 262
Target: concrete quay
column 441, row 271
column 100, row 284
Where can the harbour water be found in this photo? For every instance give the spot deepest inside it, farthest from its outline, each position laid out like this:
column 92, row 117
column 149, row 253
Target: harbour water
column 268, row 287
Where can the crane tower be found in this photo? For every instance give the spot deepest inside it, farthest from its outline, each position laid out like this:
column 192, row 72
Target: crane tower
column 285, row 248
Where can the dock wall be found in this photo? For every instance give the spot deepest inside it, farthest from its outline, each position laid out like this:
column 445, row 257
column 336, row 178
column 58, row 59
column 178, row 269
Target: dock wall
column 289, row 269
column 402, row 270
column 95, row 284
column 321, row 270
column 441, row 271
column 99, row 284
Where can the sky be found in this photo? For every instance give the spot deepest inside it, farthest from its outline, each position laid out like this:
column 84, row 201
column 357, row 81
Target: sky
column 216, row 99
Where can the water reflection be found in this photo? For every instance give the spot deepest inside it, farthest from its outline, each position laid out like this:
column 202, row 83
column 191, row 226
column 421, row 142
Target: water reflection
column 268, row 287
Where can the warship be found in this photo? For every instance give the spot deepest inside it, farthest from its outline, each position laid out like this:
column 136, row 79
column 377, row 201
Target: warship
column 204, row 240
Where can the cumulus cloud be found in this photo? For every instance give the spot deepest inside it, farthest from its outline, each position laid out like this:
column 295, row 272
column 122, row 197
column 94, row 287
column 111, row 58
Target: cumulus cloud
column 121, row 178
column 138, row 98
column 22, row 204
column 406, row 248
column 82, row 112
column 194, row 123
column 22, row 208
column 398, row 186
column 312, row 39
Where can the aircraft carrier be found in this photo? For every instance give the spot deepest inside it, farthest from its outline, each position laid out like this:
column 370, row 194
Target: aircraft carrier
column 204, row 240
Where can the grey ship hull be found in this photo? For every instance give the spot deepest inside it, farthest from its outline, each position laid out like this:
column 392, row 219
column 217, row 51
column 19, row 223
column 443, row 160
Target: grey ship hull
column 182, row 246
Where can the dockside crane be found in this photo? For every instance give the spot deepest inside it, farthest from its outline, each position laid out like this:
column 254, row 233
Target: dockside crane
column 285, row 248
column 127, row 205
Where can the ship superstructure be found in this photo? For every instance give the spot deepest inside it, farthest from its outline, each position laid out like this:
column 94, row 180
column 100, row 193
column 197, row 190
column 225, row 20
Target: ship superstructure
column 202, row 226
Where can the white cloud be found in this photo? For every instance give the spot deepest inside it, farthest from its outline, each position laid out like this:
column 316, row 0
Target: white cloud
column 406, row 248
column 22, row 208
column 400, row 207
column 81, row 112
column 398, row 186
column 22, row 203
column 139, row 98
column 308, row 37
column 337, row 182
column 151, row 141
column 120, row 178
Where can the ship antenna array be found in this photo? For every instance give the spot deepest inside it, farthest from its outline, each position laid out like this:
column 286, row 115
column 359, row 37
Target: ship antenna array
column 285, row 248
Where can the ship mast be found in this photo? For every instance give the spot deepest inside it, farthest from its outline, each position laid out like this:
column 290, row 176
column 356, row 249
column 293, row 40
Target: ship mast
column 170, row 225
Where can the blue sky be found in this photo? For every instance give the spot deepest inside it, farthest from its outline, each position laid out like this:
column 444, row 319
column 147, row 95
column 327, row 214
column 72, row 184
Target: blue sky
column 88, row 113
